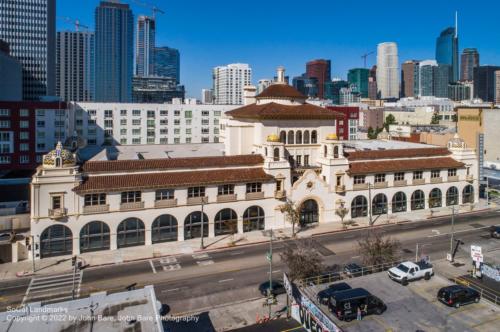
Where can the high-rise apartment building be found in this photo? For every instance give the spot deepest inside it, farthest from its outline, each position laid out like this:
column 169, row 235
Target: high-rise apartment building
column 425, row 78
column 358, row 81
column 372, row 83
column 447, row 50
column 114, row 34
column 497, row 87
column 321, row 70
column 387, row 70
column 167, row 63
column 75, row 67
column 229, row 82
column 28, row 26
column 145, row 46
column 409, row 78
column 484, row 82
column 263, row 84
column 469, row 61
column 207, row 96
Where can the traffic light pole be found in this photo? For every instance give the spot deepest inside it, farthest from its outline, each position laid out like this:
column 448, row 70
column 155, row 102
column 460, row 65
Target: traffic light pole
column 270, row 270
column 33, row 252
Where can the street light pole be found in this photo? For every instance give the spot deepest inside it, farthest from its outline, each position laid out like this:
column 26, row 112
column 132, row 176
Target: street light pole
column 33, row 252
column 270, row 270
column 202, row 246
column 370, row 202
column 487, row 191
column 452, row 230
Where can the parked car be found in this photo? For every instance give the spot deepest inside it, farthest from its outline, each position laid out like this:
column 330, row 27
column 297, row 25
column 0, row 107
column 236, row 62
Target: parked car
column 355, row 270
column 278, row 288
column 324, row 296
column 408, row 271
column 6, row 236
column 495, row 232
column 345, row 304
column 457, row 295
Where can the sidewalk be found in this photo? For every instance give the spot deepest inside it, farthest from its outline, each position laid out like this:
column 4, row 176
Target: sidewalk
column 63, row 263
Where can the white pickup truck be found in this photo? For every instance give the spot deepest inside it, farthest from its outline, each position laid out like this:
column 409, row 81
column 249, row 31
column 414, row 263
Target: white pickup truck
column 408, row 271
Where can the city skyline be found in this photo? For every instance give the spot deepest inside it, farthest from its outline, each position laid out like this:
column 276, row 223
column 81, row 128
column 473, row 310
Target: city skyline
column 206, row 44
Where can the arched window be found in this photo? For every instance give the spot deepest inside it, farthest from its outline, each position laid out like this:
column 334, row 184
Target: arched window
column 56, row 240
column 276, row 156
column 309, row 212
column 306, row 137
column 253, row 219
column 298, row 137
column 336, row 151
column 468, row 194
column 58, row 161
column 130, row 233
column 226, row 222
column 164, row 228
column 399, row 202
column 325, row 151
column 418, row 200
column 435, row 198
column 359, row 207
column 265, row 151
column 452, row 196
column 192, row 225
column 314, row 137
column 290, row 137
column 379, row 204
column 94, row 236
column 283, row 137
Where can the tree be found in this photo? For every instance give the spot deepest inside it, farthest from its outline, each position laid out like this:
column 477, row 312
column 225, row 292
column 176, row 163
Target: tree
column 292, row 214
column 389, row 120
column 435, row 119
column 375, row 249
column 342, row 211
column 302, row 259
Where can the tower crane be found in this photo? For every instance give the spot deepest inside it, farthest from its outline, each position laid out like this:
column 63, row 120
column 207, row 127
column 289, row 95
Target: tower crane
column 364, row 56
column 76, row 22
column 153, row 8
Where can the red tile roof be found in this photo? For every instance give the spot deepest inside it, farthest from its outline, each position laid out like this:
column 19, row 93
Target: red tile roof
column 171, row 180
column 281, row 91
column 275, row 111
column 165, row 163
column 399, row 153
column 388, row 166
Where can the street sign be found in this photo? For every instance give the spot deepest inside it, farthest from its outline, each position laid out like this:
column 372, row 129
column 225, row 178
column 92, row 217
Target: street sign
column 475, row 250
column 478, row 258
column 448, row 257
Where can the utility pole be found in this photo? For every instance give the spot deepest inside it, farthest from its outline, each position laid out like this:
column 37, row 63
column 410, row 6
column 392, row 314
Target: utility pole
column 33, row 252
column 487, row 191
column 370, row 203
column 452, row 230
column 270, row 258
column 75, row 261
column 202, row 246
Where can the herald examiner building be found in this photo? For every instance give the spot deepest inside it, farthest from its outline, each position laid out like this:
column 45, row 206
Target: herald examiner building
column 275, row 148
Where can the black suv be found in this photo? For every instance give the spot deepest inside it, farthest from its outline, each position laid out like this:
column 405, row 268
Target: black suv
column 324, row 296
column 457, row 295
column 278, row 288
column 495, row 232
column 345, row 304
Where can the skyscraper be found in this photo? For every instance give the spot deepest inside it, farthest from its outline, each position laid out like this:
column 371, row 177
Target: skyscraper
column 388, row 70
column 484, row 82
column 207, row 96
column 229, row 82
column 321, row 70
column 425, row 78
column 11, row 85
column 372, row 83
column 447, row 50
column 28, row 26
column 307, row 86
column 442, row 78
column 409, row 78
column 469, row 61
column 497, row 87
column 75, row 68
column 145, row 46
column 358, row 81
column 114, row 34
column 167, row 63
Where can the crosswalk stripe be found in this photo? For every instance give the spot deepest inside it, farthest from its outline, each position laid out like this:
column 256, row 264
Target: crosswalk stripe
column 53, row 288
column 57, row 276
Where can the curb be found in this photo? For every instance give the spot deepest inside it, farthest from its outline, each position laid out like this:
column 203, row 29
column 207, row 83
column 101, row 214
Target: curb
column 264, row 241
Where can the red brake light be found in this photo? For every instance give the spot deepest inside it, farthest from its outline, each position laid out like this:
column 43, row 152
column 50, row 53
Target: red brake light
column 450, row 301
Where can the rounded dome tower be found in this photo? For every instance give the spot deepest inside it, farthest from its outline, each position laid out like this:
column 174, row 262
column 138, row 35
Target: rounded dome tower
column 59, row 158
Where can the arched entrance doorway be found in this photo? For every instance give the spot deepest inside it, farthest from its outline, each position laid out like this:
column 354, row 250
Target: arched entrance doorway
column 309, row 212
column 56, row 240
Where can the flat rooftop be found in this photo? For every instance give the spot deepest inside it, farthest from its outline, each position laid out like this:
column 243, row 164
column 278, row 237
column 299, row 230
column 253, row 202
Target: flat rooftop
column 136, row 310
column 151, row 151
column 413, row 307
column 383, row 144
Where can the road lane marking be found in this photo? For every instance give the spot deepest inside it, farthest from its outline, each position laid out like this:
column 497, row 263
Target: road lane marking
column 354, row 257
column 462, row 231
column 201, row 256
column 226, row 280
column 152, row 266
column 275, row 271
column 168, row 260
column 237, row 253
column 173, row 289
column 204, row 263
column 436, row 231
column 171, row 267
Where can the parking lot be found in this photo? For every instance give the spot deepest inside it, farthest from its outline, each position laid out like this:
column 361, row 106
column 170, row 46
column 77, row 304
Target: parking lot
column 414, row 307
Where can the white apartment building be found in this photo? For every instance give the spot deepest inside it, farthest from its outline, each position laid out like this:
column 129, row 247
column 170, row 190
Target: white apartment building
column 207, row 96
column 277, row 148
column 388, row 70
column 130, row 123
column 229, row 82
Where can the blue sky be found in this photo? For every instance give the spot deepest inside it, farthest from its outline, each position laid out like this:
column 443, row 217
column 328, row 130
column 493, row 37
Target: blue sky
column 268, row 33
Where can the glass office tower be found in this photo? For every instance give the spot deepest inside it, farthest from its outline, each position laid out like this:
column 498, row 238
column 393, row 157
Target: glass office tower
column 447, row 51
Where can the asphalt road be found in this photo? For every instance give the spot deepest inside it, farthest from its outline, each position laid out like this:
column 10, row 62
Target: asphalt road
column 197, row 282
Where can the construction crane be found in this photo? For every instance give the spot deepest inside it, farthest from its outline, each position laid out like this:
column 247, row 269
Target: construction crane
column 364, row 56
column 153, row 8
column 77, row 23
